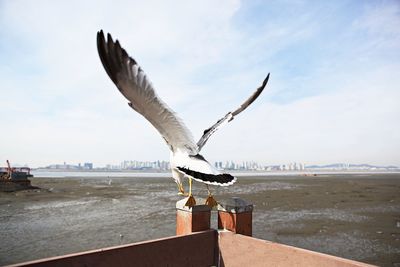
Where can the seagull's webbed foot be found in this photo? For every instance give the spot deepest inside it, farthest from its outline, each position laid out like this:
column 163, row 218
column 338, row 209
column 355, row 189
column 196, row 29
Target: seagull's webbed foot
column 210, row 201
column 190, row 200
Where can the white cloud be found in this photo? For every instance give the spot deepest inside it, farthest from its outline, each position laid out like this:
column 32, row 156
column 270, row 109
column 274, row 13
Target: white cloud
column 61, row 106
column 356, row 124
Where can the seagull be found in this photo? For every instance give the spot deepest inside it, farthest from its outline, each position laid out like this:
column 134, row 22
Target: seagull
column 185, row 158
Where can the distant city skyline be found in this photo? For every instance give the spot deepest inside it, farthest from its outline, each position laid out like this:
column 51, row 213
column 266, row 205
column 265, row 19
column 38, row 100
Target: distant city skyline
column 161, row 165
column 332, row 96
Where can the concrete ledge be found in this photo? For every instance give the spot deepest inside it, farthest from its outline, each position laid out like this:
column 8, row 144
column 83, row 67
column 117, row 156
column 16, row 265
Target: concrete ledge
column 239, row 250
column 207, row 248
column 197, row 249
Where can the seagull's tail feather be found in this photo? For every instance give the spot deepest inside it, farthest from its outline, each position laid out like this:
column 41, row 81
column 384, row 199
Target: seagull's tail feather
column 223, row 179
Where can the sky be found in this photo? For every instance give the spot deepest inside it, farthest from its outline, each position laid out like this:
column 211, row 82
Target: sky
column 333, row 94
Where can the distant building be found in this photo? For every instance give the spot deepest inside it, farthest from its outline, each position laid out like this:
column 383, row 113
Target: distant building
column 88, row 166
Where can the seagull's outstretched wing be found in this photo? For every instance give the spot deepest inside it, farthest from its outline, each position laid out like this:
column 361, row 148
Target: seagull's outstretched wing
column 133, row 83
column 228, row 117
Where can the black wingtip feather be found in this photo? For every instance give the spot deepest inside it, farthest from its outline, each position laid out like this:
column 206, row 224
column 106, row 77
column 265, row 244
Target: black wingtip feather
column 113, row 56
column 223, row 179
column 265, row 80
column 103, row 53
column 109, row 38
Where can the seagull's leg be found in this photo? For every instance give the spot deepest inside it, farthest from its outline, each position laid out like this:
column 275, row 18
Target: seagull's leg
column 210, row 201
column 178, row 177
column 191, row 201
column 181, row 191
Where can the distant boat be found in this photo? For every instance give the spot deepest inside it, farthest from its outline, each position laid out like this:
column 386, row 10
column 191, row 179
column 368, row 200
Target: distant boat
column 14, row 179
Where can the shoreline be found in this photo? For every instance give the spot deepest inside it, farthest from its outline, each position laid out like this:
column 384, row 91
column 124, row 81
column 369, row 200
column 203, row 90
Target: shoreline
column 145, row 174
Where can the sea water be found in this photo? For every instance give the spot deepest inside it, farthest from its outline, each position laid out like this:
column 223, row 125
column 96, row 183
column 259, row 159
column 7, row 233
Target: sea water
column 352, row 215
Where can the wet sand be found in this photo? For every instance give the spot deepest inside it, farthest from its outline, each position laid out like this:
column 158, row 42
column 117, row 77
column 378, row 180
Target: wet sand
column 356, row 216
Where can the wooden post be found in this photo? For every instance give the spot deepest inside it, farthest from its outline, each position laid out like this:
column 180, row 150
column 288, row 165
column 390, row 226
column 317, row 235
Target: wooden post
column 193, row 219
column 236, row 215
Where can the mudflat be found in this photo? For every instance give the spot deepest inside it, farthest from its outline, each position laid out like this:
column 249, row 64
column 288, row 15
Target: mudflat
column 356, row 216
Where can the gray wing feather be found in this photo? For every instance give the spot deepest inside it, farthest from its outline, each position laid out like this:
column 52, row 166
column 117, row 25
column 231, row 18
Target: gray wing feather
column 133, row 83
column 251, row 98
column 230, row 116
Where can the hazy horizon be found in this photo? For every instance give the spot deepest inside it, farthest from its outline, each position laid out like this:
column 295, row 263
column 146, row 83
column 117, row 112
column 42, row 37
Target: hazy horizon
column 332, row 96
column 261, row 164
